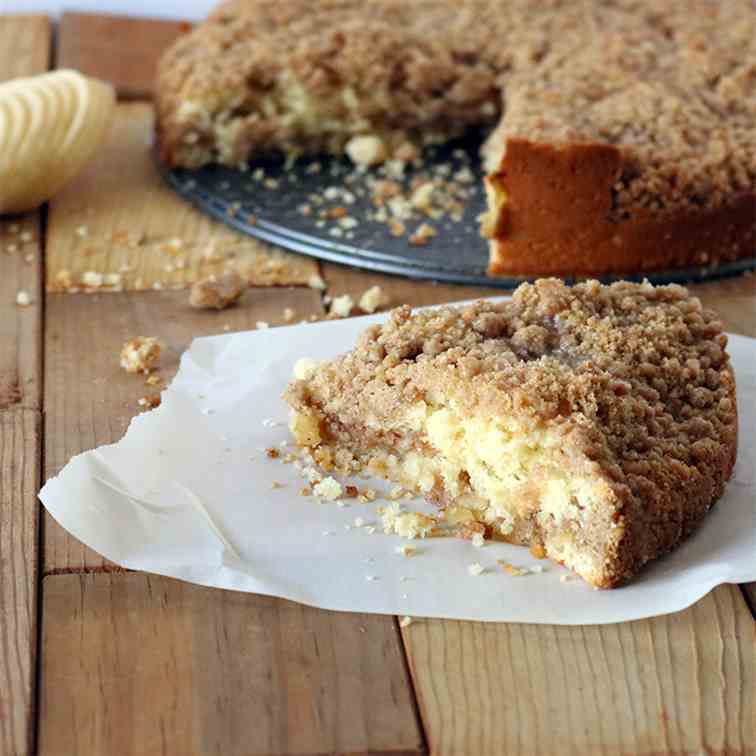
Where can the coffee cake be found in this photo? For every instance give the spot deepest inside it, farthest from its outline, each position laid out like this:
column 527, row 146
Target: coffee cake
column 597, row 424
column 623, row 133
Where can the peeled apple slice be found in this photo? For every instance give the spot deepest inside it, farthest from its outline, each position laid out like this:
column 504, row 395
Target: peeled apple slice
column 50, row 126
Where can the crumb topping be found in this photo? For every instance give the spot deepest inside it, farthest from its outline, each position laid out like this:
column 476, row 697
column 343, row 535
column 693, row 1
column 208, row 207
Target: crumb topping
column 673, row 88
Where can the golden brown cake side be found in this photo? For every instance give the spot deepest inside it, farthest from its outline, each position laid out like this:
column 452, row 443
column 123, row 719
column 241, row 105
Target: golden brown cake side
column 598, row 422
column 551, row 214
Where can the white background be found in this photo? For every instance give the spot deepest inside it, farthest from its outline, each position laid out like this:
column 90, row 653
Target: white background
column 188, row 9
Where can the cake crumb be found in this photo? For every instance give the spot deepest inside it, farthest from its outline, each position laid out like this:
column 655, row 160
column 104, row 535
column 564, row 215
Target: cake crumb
column 342, row 306
column 538, row 551
column 261, row 325
column 371, row 578
column 350, row 492
column 407, row 524
column 422, row 235
column 23, row 298
column 150, row 402
column 304, row 368
column 406, row 550
column 213, row 293
column 511, row 569
column 328, row 488
column 140, row 354
column 372, row 299
column 476, row 568
column 478, row 540
column 92, row 279
column 275, row 485
column 405, row 621
column 316, row 282
column 272, row 453
column 366, row 150
column 154, row 380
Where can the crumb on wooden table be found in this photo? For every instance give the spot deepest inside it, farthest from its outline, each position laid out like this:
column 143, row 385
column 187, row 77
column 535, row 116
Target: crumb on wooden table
column 372, row 299
column 341, row 307
column 140, row 354
column 217, row 293
column 23, row 298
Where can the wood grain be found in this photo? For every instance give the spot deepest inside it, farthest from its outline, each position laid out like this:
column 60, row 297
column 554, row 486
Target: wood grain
column 20, row 327
column 19, row 514
column 119, row 218
column 137, row 664
column 90, row 400
column 681, row 683
column 118, row 49
column 24, row 45
column 24, row 51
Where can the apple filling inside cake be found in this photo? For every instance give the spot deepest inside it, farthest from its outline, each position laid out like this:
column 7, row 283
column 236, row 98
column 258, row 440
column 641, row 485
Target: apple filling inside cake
column 597, row 423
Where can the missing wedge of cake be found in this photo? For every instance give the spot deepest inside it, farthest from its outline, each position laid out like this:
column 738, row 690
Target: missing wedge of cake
column 597, row 423
column 621, row 134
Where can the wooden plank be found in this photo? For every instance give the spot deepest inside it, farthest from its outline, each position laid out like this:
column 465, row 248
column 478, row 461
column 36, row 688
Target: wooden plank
column 24, row 51
column 681, row 683
column 19, row 514
column 341, row 279
column 735, row 301
column 119, row 218
column 90, row 401
column 137, row 664
column 118, row 49
column 20, row 326
column 24, row 45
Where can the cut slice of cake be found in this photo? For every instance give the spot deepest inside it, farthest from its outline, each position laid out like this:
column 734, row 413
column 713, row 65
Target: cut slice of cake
column 597, row 423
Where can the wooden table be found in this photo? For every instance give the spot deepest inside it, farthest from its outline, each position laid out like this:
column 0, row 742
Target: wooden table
column 98, row 660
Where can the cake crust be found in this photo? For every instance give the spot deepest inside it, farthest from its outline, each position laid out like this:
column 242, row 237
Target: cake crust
column 628, row 387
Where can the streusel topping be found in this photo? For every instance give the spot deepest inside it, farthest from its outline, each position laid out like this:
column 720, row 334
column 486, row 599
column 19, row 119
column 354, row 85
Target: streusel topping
column 642, row 370
column 671, row 84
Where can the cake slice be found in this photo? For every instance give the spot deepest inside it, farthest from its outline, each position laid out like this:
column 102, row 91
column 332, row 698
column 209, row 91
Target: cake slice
column 597, row 423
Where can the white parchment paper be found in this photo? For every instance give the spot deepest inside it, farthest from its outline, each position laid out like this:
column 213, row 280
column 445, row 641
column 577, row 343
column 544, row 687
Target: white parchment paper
column 188, row 493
